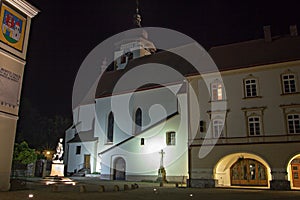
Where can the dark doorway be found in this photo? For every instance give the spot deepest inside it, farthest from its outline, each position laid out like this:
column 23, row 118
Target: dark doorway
column 119, row 169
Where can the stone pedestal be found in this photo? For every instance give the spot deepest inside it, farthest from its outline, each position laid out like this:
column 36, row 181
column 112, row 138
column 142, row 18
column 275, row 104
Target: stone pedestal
column 162, row 175
column 57, row 169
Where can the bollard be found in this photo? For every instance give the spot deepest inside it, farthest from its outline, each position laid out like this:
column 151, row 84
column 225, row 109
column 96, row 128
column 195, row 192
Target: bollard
column 54, row 188
column 101, row 188
column 126, row 187
column 116, row 188
column 134, row 186
column 82, row 188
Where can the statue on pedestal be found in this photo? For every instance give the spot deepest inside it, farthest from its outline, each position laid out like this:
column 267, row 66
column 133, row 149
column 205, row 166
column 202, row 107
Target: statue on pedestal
column 57, row 157
column 57, row 168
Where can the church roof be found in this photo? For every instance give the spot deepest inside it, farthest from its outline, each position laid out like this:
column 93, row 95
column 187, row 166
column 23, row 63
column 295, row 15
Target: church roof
column 227, row 57
column 107, row 83
column 256, row 52
column 83, row 136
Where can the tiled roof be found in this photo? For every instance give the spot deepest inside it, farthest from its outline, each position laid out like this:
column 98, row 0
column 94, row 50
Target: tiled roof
column 84, row 136
column 256, row 52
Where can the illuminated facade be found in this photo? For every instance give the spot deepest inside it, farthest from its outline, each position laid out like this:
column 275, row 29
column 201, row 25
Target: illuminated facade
column 253, row 142
column 121, row 146
column 260, row 136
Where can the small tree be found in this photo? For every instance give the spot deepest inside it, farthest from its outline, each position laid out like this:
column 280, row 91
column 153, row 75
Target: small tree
column 23, row 154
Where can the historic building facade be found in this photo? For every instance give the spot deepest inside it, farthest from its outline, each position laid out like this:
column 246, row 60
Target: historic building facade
column 248, row 134
column 258, row 142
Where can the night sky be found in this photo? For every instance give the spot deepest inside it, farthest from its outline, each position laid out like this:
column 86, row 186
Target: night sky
column 65, row 31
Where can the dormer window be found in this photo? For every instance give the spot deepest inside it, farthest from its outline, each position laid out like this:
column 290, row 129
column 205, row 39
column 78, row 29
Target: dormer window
column 129, row 55
column 123, row 59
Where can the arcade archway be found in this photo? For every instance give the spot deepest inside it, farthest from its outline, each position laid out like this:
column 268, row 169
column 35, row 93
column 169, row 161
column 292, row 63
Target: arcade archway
column 293, row 170
column 242, row 170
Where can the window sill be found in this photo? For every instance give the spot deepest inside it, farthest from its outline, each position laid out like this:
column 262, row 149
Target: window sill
column 109, row 143
column 253, row 136
column 289, row 94
column 256, row 97
column 213, row 101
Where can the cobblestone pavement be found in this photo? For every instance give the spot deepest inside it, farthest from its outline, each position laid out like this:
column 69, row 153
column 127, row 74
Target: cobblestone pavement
column 145, row 191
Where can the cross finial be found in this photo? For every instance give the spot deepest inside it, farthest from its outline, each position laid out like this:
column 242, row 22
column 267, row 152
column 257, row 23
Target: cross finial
column 162, row 158
column 137, row 17
column 137, row 6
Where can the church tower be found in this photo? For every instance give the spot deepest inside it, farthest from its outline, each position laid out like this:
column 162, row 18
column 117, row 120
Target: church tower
column 134, row 45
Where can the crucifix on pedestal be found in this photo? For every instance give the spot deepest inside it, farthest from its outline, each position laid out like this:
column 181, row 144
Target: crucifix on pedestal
column 162, row 175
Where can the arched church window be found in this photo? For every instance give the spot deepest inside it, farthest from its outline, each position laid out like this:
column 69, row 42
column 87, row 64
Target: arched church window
column 138, row 120
column 110, row 127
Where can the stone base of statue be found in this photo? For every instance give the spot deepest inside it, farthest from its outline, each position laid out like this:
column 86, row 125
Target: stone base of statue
column 57, row 169
column 162, row 176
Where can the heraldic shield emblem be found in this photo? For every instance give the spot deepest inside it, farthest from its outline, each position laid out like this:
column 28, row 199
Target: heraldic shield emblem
column 12, row 27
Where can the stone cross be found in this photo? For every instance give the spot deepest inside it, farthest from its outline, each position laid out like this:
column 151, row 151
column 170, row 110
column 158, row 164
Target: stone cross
column 162, row 158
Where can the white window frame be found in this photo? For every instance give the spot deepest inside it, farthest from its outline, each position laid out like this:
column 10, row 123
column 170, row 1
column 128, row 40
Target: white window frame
column 252, row 86
column 217, row 91
column 254, row 112
column 294, row 121
column 288, row 81
column 171, row 138
column 218, row 126
column 257, row 122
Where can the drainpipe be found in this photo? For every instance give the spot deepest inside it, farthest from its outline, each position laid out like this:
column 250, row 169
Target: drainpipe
column 189, row 131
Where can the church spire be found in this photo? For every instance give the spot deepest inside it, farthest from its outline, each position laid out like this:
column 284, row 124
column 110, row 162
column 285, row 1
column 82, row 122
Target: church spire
column 137, row 17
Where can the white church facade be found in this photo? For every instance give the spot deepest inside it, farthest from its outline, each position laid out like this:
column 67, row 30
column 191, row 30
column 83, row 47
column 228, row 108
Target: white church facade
column 250, row 137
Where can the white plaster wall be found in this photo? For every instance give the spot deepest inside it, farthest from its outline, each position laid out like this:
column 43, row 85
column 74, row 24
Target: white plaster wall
column 69, row 134
column 145, row 159
column 269, row 89
column 274, row 124
column 86, row 117
column 76, row 161
column 156, row 104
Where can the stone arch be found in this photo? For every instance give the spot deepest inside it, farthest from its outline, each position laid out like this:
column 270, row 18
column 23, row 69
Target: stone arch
column 223, row 169
column 293, row 171
column 119, row 169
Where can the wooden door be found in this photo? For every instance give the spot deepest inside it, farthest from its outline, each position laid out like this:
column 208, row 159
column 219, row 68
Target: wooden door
column 87, row 161
column 295, row 174
column 248, row 172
